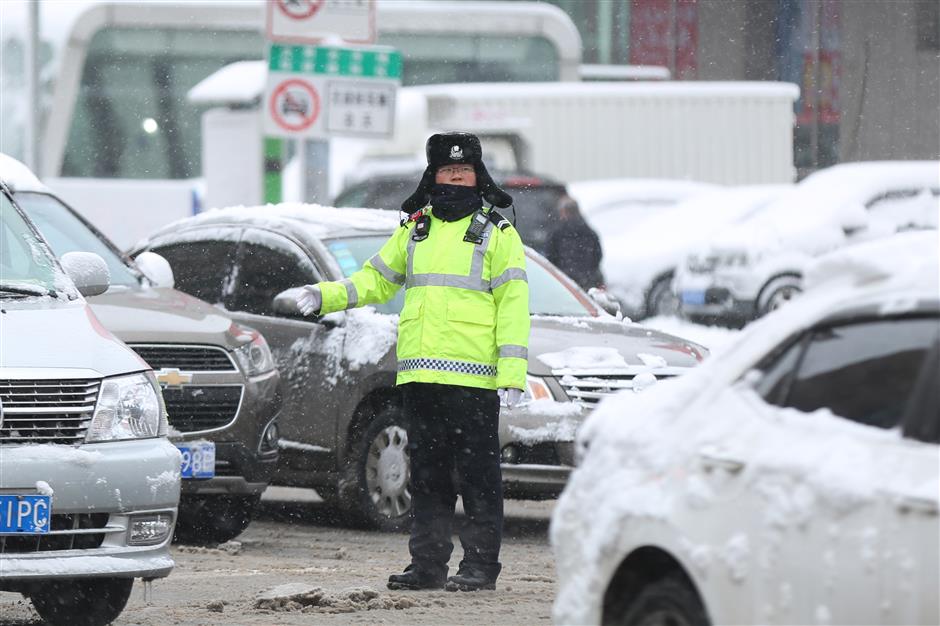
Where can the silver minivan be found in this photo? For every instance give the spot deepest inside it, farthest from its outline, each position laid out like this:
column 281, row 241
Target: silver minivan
column 89, row 484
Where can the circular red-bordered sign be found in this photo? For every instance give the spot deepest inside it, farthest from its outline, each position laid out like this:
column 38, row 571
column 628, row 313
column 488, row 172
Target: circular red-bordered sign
column 295, row 105
column 299, row 9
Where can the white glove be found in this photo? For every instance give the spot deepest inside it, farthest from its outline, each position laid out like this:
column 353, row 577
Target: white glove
column 509, row 396
column 309, row 300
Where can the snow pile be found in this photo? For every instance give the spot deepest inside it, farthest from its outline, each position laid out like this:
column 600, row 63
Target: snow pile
column 287, row 444
column 43, row 488
column 562, row 420
column 163, row 479
column 643, row 194
column 584, row 358
column 56, row 453
column 364, row 338
column 311, row 599
column 850, row 198
column 910, row 254
column 319, row 220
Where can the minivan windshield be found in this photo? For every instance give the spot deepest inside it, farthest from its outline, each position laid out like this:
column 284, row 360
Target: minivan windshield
column 66, row 232
column 26, row 266
column 548, row 295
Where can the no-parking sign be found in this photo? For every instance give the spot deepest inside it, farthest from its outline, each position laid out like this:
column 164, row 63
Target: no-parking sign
column 312, row 21
column 331, row 91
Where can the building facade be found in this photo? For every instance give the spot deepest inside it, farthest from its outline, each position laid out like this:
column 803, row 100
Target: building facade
column 869, row 70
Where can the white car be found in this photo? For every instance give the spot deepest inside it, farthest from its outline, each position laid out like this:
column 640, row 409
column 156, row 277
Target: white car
column 757, row 266
column 641, row 255
column 792, row 480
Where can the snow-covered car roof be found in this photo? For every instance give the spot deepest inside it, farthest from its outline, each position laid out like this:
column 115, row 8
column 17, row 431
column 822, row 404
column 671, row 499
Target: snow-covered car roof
column 314, row 220
column 814, row 216
column 598, row 195
column 18, row 177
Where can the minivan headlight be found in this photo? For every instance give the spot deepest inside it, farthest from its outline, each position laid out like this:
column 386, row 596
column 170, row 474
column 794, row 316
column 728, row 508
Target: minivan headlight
column 255, row 356
column 536, row 389
column 129, row 407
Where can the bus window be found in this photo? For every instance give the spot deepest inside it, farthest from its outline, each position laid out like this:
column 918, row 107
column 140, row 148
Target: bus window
column 132, row 119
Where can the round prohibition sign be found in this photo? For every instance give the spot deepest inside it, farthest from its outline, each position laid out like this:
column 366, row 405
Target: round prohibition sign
column 299, row 9
column 294, row 105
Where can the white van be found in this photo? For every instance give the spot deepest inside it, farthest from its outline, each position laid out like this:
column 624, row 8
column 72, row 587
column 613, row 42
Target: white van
column 89, row 484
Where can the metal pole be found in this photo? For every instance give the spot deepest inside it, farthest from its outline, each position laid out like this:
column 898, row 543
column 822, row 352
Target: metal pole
column 31, row 135
column 817, row 80
column 317, row 170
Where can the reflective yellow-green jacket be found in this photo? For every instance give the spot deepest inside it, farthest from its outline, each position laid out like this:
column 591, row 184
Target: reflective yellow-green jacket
column 466, row 315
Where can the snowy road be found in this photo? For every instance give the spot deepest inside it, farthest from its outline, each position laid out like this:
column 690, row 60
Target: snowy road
column 294, row 540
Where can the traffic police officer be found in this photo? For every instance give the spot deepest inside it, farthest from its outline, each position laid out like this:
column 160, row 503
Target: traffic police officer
column 462, row 347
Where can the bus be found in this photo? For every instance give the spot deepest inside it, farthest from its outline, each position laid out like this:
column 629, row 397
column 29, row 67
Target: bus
column 118, row 120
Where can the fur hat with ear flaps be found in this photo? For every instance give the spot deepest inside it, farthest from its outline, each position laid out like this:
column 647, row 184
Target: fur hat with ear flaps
column 450, row 149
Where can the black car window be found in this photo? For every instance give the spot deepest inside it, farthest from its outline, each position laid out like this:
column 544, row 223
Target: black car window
column 777, row 372
column 267, row 265
column 536, row 209
column 864, row 371
column 203, row 269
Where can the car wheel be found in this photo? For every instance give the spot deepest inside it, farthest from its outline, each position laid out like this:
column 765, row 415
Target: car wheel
column 213, row 519
column 778, row 292
column 374, row 489
column 665, row 602
column 91, row 602
column 662, row 300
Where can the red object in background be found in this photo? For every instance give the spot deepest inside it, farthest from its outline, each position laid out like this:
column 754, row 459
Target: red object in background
column 665, row 33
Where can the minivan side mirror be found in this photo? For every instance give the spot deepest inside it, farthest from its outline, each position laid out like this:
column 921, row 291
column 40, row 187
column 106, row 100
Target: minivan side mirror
column 88, row 271
column 156, row 268
column 603, row 299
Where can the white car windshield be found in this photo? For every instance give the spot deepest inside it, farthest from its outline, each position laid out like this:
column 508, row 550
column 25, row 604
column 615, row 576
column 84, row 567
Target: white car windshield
column 26, row 266
column 548, row 294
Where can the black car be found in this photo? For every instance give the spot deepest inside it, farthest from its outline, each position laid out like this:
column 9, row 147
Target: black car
column 536, row 199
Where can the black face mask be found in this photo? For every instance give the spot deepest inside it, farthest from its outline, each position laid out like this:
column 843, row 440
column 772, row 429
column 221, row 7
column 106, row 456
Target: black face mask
column 454, row 202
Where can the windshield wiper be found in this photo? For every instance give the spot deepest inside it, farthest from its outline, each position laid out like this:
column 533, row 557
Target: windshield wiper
column 27, row 290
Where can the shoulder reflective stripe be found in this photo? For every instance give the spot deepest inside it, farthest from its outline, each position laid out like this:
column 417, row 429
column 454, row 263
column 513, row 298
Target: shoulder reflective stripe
column 444, row 365
column 410, row 268
column 448, row 280
column 520, row 352
column 513, row 273
column 479, row 252
column 388, row 273
column 352, row 295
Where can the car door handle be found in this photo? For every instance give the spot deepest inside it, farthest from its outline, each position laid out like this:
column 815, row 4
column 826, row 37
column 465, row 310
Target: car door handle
column 717, row 459
column 918, row 504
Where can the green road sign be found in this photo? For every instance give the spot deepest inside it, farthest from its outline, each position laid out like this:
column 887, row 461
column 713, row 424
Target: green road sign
column 358, row 62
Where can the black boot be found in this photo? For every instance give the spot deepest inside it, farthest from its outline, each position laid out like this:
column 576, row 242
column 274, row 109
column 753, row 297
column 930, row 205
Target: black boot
column 469, row 578
column 415, row 578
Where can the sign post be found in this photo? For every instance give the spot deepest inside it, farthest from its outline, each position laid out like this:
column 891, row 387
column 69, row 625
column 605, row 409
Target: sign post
column 316, row 91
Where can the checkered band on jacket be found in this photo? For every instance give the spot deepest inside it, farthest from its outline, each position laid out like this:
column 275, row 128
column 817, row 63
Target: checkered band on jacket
column 442, row 365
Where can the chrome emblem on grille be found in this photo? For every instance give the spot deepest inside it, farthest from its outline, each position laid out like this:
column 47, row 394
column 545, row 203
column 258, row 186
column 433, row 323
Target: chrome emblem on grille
column 172, row 377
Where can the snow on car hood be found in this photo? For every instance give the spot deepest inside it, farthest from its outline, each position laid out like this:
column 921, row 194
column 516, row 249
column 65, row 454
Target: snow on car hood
column 603, row 343
column 163, row 315
column 54, row 334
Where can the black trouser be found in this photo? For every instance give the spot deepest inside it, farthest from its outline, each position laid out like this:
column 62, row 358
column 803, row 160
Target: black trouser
column 454, row 428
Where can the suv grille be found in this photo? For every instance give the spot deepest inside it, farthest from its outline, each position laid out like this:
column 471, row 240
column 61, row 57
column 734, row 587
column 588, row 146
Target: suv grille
column 69, row 531
column 590, row 387
column 194, row 408
column 47, row 411
column 186, row 358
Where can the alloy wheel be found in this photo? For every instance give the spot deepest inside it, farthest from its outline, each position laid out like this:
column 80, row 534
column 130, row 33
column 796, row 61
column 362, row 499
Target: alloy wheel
column 388, row 470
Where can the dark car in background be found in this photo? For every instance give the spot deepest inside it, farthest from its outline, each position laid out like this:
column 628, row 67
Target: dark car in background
column 343, row 430
column 218, row 377
column 537, row 200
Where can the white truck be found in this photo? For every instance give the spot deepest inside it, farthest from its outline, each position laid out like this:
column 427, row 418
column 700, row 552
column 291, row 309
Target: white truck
column 719, row 132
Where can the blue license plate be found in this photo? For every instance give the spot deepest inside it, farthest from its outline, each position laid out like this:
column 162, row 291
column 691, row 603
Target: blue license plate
column 29, row 514
column 693, row 297
column 198, row 459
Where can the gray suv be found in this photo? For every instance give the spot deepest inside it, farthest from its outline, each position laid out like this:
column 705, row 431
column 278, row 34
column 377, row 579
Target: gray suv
column 89, row 484
column 343, row 431
column 218, row 377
